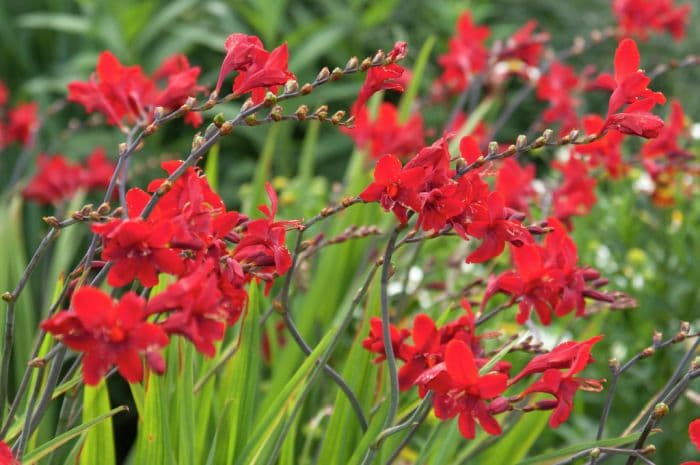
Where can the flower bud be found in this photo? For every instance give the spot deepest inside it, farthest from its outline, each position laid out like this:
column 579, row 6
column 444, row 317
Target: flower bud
column 270, row 99
column 323, row 75
column 648, row 352
column 321, row 112
column 103, row 209
column 219, row 119
column 378, row 58
column 547, row 135
column 7, row 296
column 226, row 128
column 366, row 64
column 493, row 148
column 337, row 117
column 337, row 74
column 499, row 405
column 352, row 64
column 301, row 112
column 521, row 142
column 291, row 87
column 247, row 105
column 660, row 411
column 276, row 113
column 306, row 89
column 595, row 453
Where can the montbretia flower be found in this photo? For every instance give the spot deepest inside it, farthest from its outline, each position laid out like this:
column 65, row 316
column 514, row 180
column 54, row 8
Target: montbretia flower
column 631, row 90
column 383, row 77
column 492, row 224
column 459, row 389
column 641, row 17
column 572, row 356
column 386, row 133
column 109, row 333
column 6, row 455
column 394, row 187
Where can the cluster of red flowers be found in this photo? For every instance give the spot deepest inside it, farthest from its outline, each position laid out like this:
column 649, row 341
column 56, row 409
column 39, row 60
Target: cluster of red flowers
column 213, row 253
column 57, row 179
column 547, row 278
column 125, row 94
column 450, row 362
column 642, row 17
column 16, row 124
column 259, row 71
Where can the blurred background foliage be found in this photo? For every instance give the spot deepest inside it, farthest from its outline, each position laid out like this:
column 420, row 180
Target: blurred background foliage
column 648, row 252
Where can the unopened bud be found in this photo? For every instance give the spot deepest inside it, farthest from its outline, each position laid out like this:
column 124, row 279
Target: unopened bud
column 321, row 112
column 306, row 89
column 595, row 453
column 574, row 134
column 648, row 450
column 291, row 87
column 547, row 135
column 596, row 35
column 251, row 120
column 301, row 112
column 158, row 113
column 337, row 73
column 337, row 117
column 103, row 209
column 226, row 128
column 685, row 327
column 276, row 113
column 521, row 142
column 86, row 209
column 278, row 306
column 7, row 296
column 539, row 142
column 189, row 103
column 614, row 364
column 493, row 148
column 219, row 119
column 150, row 129
column 270, row 99
column 648, row 352
column 499, row 405
column 657, row 337
column 247, row 105
column 352, row 64
column 51, row 221
column 122, row 148
column 366, row 64
column 164, row 187
column 512, row 149
column 378, row 58
column 323, row 74
column 660, row 411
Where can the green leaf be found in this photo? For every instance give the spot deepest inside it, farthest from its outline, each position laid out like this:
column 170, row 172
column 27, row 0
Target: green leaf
column 549, row 458
column 62, row 22
column 34, row 456
column 211, row 168
column 418, row 69
column 99, row 441
column 240, row 381
column 262, row 171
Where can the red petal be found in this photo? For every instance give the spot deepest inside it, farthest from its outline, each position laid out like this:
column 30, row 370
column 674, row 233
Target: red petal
column 130, row 366
column 626, row 59
column 460, row 363
column 92, row 306
column 694, row 432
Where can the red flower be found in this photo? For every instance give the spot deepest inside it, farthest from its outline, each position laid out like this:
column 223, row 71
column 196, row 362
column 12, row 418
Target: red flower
column 23, row 121
column 460, row 389
column 109, row 334
column 694, row 433
column 262, row 249
column 56, row 180
column 6, row 457
column 514, row 183
column 374, row 342
column 525, row 45
column 125, row 93
column 606, row 150
column 493, row 226
column 386, row 77
column 197, row 307
column 576, row 194
column 666, row 144
column 395, row 188
column 119, row 92
column 563, row 386
column 386, row 134
column 558, row 88
column 467, row 55
column 181, row 84
column 140, row 249
column 240, row 53
column 98, row 170
column 266, row 72
column 425, row 353
column 640, row 17
column 631, row 88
